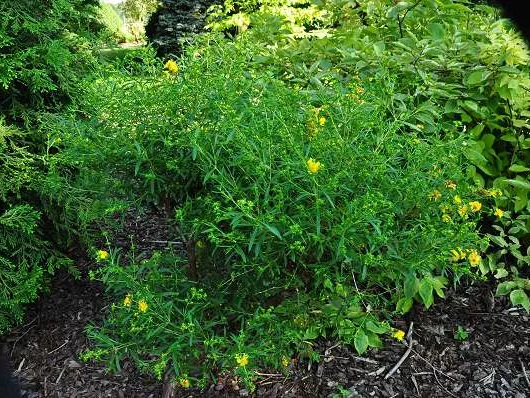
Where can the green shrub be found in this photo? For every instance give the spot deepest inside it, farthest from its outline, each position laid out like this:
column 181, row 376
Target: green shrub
column 463, row 71
column 323, row 181
column 44, row 51
column 304, row 215
column 26, row 259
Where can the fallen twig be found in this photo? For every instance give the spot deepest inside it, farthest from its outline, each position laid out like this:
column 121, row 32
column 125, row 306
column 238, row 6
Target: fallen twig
column 434, row 373
column 22, row 335
column 524, row 372
column 405, row 355
column 415, row 384
column 368, row 360
column 58, row 348
column 60, row 375
column 20, row 365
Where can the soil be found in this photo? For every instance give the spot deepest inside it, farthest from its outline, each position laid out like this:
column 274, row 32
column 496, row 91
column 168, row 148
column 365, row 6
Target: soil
column 493, row 361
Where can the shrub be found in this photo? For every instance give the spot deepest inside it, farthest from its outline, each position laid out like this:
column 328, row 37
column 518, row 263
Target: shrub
column 26, row 259
column 309, row 214
column 462, row 70
column 44, row 51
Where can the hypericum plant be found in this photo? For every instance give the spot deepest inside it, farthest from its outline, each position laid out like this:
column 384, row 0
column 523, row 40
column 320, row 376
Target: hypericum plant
column 461, row 69
column 304, row 214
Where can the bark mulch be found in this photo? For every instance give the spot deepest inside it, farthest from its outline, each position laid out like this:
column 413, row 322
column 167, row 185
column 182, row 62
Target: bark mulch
column 494, row 361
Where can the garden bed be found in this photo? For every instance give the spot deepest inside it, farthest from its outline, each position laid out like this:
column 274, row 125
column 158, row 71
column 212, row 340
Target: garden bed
column 490, row 362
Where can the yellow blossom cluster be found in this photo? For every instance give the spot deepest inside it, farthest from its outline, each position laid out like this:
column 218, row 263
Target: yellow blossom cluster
column 399, row 335
column 242, row 359
column 472, row 256
column 184, row 382
column 142, row 304
column 313, row 166
column 498, row 212
column 314, row 123
column 435, row 195
column 171, row 66
column 102, row 255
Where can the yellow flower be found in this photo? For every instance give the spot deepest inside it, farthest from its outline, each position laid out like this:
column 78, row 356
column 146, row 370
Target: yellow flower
column 398, row 334
column 474, row 258
column 242, row 359
column 171, row 66
column 475, row 206
column 450, row 184
column 463, row 211
column 457, row 200
column 435, row 195
column 200, row 244
column 313, row 166
column 359, row 90
column 498, row 212
column 446, row 218
column 322, row 121
column 493, row 192
column 102, row 255
column 142, row 306
column 457, row 255
column 285, row 361
column 184, row 382
column 127, row 300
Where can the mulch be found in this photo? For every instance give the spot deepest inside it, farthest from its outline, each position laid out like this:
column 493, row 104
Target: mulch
column 494, row 361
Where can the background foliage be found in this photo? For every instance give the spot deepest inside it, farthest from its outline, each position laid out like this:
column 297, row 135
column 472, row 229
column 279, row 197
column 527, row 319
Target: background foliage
column 45, row 52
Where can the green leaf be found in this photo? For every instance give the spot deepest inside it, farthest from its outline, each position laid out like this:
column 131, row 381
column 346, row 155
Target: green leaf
column 375, row 328
column 273, row 229
column 439, row 283
column 374, row 340
column 475, row 78
column 523, row 184
column 404, row 305
column 521, row 200
column 311, row 333
column 519, row 297
column 475, row 156
column 509, row 138
column 436, row 30
column 379, row 47
column 498, row 240
column 517, row 168
column 411, row 286
column 360, row 341
column 505, row 287
column 425, row 290
column 476, row 131
column 501, row 273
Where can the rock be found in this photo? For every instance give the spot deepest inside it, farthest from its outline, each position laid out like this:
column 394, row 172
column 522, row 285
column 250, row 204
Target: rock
column 219, row 387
